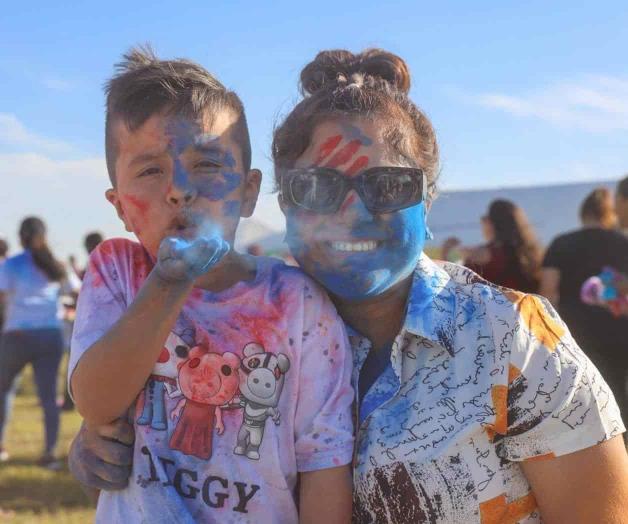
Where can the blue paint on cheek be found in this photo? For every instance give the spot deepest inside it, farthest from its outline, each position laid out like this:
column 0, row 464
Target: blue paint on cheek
column 231, row 208
column 401, row 237
column 228, row 160
column 219, row 186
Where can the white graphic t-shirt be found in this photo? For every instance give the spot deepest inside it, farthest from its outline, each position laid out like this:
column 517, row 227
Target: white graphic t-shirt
column 479, row 379
column 252, row 386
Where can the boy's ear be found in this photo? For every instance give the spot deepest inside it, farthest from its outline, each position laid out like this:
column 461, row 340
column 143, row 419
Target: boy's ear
column 112, row 195
column 252, row 185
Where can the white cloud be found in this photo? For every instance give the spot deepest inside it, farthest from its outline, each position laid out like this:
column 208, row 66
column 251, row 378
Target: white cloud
column 594, row 104
column 57, row 83
column 37, row 165
column 13, row 133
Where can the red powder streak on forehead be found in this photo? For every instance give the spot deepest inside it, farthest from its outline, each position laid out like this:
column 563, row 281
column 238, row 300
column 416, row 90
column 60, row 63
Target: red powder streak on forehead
column 345, row 154
column 327, row 148
column 358, row 165
column 141, row 205
column 348, row 202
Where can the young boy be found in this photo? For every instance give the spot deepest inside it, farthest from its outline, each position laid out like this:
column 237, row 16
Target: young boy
column 241, row 364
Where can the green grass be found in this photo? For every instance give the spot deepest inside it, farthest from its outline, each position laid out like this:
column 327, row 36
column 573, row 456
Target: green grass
column 29, row 493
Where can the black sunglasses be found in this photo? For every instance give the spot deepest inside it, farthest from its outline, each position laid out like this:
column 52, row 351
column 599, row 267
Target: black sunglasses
column 382, row 189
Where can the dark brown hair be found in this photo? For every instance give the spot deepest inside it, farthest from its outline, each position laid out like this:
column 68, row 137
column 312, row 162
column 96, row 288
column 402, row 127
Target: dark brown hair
column 515, row 235
column 33, row 238
column 622, row 187
column 145, row 85
column 598, row 206
column 373, row 84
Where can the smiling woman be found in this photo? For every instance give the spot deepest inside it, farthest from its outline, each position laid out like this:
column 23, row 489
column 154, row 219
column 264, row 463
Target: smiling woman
column 473, row 400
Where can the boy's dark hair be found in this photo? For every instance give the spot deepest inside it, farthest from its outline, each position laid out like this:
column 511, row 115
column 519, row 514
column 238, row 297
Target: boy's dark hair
column 4, row 247
column 622, row 187
column 145, row 85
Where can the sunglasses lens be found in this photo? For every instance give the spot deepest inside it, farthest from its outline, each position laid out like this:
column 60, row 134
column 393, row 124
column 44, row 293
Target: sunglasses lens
column 393, row 190
column 313, row 191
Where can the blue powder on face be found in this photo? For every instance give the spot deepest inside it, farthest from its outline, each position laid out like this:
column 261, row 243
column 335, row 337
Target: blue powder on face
column 218, row 186
column 355, row 277
column 231, row 208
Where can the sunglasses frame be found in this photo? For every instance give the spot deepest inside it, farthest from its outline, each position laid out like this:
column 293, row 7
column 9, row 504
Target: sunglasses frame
column 356, row 183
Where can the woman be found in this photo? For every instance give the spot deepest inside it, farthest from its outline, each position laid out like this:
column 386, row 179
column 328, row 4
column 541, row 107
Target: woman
column 30, row 285
column 512, row 255
column 473, row 403
column 570, row 260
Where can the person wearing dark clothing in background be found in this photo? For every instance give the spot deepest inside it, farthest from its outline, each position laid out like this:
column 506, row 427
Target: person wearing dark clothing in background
column 621, row 204
column 512, row 255
column 570, row 260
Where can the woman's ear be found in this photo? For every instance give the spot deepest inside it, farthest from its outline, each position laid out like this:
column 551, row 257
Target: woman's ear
column 252, row 183
column 112, row 196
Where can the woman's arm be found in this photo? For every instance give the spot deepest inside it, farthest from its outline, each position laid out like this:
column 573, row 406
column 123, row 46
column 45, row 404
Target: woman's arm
column 325, row 496
column 587, row 486
column 550, row 281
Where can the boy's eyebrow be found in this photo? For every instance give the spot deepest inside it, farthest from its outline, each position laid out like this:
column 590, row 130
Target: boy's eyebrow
column 146, row 157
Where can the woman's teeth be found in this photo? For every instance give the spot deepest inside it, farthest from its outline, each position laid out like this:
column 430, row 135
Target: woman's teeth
column 354, row 246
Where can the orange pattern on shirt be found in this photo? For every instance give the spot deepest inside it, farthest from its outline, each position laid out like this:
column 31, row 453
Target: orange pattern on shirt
column 536, row 319
column 498, row 511
column 499, row 395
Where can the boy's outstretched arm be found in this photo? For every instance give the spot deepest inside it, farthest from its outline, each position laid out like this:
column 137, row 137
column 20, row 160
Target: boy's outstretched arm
column 109, row 375
column 325, row 496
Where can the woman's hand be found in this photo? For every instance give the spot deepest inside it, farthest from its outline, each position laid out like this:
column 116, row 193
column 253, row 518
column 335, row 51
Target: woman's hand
column 101, row 457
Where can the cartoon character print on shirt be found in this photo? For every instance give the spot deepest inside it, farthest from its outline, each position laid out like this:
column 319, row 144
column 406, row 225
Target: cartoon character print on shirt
column 163, row 379
column 262, row 377
column 208, row 382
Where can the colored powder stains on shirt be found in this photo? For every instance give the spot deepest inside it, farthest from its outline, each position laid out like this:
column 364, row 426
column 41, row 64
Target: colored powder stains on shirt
column 467, row 374
column 534, row 316
column 499, row 511
column 256, row 449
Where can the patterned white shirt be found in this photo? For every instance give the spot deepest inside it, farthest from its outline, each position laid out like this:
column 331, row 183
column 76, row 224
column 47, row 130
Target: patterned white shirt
column 481, row 378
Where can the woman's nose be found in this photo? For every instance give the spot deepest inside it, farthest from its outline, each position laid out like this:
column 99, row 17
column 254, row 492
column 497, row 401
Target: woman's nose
column 353, row 208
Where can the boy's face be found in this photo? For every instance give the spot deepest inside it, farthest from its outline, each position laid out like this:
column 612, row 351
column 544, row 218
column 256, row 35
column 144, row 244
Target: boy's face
column 179, row 177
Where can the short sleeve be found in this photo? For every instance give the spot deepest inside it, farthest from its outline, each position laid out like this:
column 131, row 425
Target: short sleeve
column 5, row 281
column 323, row 421
column 100, row 304
column 553, row 255
column 558, row 402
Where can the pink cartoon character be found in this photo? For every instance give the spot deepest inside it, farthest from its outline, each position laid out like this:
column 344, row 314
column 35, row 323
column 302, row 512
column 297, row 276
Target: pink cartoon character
column 207, row 381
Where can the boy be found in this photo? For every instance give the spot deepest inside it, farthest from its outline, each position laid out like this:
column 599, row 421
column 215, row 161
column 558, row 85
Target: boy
column 241, row 364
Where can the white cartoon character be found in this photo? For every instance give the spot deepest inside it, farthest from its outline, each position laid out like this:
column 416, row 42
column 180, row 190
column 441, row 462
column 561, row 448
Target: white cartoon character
column 163, row 379
column 261, row 382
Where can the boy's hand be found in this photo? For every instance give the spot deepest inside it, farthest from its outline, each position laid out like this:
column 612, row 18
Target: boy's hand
column 181, row 260
column 101, row 457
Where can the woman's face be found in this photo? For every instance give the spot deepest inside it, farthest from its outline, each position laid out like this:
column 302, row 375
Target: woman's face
column 488, row 231
column 354, row 253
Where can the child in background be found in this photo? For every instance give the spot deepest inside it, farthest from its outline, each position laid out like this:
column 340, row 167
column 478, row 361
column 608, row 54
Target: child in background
column 240, row 363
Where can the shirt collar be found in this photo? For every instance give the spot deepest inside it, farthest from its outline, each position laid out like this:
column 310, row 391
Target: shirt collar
column 431, row 308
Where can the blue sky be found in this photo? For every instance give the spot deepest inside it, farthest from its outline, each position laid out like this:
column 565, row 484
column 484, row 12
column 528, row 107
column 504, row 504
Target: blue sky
column 523, row 95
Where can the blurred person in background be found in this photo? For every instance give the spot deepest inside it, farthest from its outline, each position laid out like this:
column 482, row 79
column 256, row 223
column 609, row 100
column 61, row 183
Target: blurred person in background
column 4, row 250
column 621, row 204
column 90, row 242
column 31, row 285
column 512, row 255
column 570, row 260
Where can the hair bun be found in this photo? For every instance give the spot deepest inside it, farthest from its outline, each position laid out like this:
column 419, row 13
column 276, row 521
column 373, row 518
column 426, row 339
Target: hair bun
column 334, row 67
